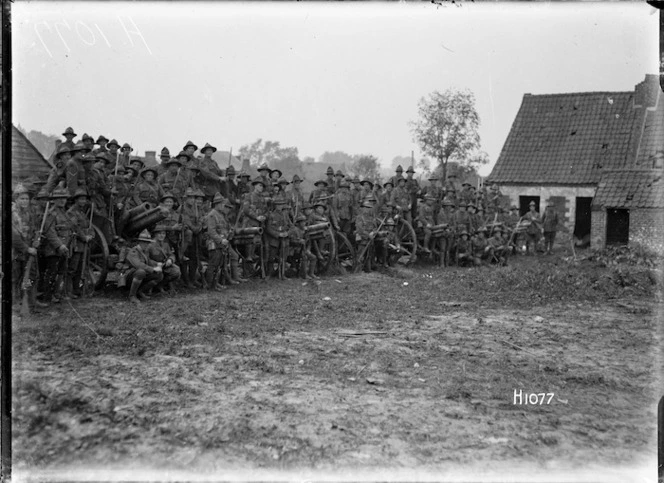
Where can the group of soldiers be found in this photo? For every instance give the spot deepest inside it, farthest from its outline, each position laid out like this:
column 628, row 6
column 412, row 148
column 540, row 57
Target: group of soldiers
column 97, row 183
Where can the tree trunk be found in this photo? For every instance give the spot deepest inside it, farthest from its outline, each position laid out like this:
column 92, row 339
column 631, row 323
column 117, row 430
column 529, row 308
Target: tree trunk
column 443, row 163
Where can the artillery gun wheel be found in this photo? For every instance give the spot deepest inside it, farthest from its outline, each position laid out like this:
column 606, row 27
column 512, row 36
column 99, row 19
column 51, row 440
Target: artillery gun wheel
column 97, row 263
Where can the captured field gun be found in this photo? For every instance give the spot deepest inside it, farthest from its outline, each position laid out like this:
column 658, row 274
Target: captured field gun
column 248, row 231
column 316, row 230
column 144, row 219
column 439, row 230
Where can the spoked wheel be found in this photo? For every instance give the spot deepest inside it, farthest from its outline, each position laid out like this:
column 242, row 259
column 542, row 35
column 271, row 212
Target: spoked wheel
column 345, row 251
column 408, row 242
column 327, row 249
column 97, row 263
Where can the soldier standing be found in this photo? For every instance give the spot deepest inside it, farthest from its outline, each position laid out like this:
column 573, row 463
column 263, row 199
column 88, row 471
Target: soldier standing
column 69, row 135
column 101, row 141
column 192, row 220
column 533, row 230
column 296, row 196
column 147, row 190
column 386, row 196
column 218, row 233
column 550, row 226
column 301, row 249
column 264, row 175
column 58, row 231
column 175, row 180
column 164, row 157
column 343, row 213
column 330, row 188
column 278, row 230
column 211, row 172
column 320, row 191
column 144, row 273
column 229, row 187
column 401, row 199
column 499, row 249
column 338, row 179
column 365, row 231
column 480, row 247
column 426, row 220
column 413, row 189
column 255, row 211
column 243, row 186
column 82, row 236
column 113, row 147
column 463, row 248
column 399, row 175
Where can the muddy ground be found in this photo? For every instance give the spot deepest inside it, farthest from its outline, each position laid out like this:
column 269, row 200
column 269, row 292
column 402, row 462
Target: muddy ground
column 406, row 372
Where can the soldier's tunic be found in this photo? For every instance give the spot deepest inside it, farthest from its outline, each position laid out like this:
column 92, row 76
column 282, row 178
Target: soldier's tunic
column 356, row 194
column 401, row 199
column 317, row 194
column 498, row 246
column 296, row 199
column 98, row 190
column 254, row 206
column 230, row 191
column 146, row 192
column 462, row 220
column 161, row 252
column 81, row 221
column 173, row 226
column 278, row 227
column 210, row 172
column 174, row 184
column 426, row 216
column 56, row 175
column 413, row 187
column 75, row 174
column 141, row 267
column 300, row 249
column 533, row 230
column 343, row 212
column 480, row 253
column 24, row 227
column 466, row 195
column 365, row 223
column 331, row 187
column 493, row 200
column 58, row 231
column 463, row 250
column 218, row 233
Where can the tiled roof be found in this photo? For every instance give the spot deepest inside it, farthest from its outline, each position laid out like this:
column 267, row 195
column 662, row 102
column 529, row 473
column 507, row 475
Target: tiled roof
column 567, row 138
column 27, row 161
column 651, row 143
column 630, row 189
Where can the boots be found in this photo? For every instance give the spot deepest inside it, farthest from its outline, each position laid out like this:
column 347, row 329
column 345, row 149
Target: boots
column 427, row 242
column 250, row 252
column 235, row 272
column 32, row 296
column 134, row 290
column 228, row 277
column 145, row 291
column 193, row 268
column 184, row 274
column 312, row 269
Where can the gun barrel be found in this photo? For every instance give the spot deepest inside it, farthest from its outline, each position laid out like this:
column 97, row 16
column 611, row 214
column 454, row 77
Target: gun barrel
column 317, row 227
column 145, row 219
column 250, row 230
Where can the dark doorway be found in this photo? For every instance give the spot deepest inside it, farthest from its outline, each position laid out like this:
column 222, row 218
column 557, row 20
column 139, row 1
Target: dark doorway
column 524, row 202
column 582, row 218
column 617, row 226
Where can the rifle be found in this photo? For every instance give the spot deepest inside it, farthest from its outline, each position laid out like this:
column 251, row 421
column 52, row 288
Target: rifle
column 366, row 247
column 86, row 253
column 26, row 284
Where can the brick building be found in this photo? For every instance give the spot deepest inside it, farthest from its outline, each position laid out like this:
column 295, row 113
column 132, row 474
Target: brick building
column 579, row 151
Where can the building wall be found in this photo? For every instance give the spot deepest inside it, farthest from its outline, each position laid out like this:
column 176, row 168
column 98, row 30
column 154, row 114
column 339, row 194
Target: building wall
column 570, row 193
column 646, row 227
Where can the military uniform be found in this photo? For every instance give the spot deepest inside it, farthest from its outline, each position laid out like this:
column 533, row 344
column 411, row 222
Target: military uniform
column 162, row 252
column 533, row 229
column 175, row 183
column 401, row 199
column 426, row 220
column 144, row 272
column 463, row 249
column 75, row 172
column 147, row 191
column 343, row 212
column 481, row 248
column 219, row 232
column 300, row 248
column 278, row 229
column 82, row 232
column 365, row 223
column 210, row 172
column 59, row 233
column 24, row 228
column 192, row 217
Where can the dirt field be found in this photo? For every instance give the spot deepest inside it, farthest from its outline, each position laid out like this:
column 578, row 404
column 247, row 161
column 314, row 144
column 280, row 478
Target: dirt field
column 384, row 374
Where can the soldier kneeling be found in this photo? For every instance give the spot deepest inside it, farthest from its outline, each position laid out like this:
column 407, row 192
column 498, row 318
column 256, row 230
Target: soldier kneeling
column 161, row 252
column 144, row 273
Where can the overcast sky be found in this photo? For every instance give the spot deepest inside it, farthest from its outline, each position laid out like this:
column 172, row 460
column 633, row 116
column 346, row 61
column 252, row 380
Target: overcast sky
column 321, row 77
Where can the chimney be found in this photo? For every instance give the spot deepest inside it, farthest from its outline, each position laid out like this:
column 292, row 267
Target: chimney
column 150, row 158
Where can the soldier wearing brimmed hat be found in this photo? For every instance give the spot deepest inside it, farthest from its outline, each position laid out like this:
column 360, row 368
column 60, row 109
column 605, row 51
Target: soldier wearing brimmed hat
column 79, row 213
column 331, row 186
column 343, row 212
column 88, row 141
column 339, row 177
column 219, row 234
column 296, row 195
column 160, row 251
column 255, row 210
column 125, row 154
column 192, row 221
column 211, row 173
column 75, row 170
column 113, row 150
column 243, row 186
column 499, row 249
column 480, row 247
column 386, row 195
column 401, row 199
column 366, row 226
column 175, row 180
column 462, row 218
column 229, row 188
column 356, row 193
column 101, row 141
column 278, row 229
column 463, row 249
column 164, row 157
column 465, row 195
column 264, row 174
column 69, row 135
column 320, row 191
column 301, row 248
column 397, row 176
column 172, row 223
column 534, row 229
column 549, row 226
column 58, row 172
column 144, row 272
column 58, row 232
column 413, row 189
column 426, row 220
column 147, row 190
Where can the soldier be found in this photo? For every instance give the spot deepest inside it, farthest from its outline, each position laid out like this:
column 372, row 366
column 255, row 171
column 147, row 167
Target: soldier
column 399, row 175
column 192, row 220
column 320, row 190
column 137, row 163
column 434, row 189
column 264, row 175
column 499, row 249
column 58, row 231
column 474, row 219
column 465, row 194
column 392, row 244
column 367, row 191
column 174, row 180
column 125, row 153
column 343, row 212
column 99, row 192
column 463, row 248
column 550, row 226
column 462, row 218
column 282, row 195
column 58, row 172
column 243, row 186
column 69, row 135
column 144, row 272
column 160, row 251
column 24, row 246
column 493, row 198
column 82, row 236
column 365, row 231
column 512, row 223
column 301, row 248
column 113, row 147
column 413, row 189
column 147, row 190
column 211, row 172
column 308, row 212
column 229, row 187
column 217, row 240
column 75, row 171
column 480, row 247
column 533, row 230
column 278, row 229
column 320, row 246
column 356, row 192
column 330, row 188
column 426, row 220
column 255, row 211
column 338, row 179
column 164, row 157
column 401, row 199
column 101, row 141
column 275, row 175
column 296, row 196
column 386, row 196
column 171, row 225
column 88, row 141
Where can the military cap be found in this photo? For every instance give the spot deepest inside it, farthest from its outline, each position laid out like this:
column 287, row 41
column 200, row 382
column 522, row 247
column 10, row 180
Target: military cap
column 367, row 204
column 296, row 178
column 532, row 203
column 62, row 149
column 218, row 198
column 463, row 232
column 189, row 143
column 158, row 228
column 132, row 168
column 481, row 229
column 410, row 170
column 207, row 146
column 356, row 179
column 121, row 169
column 344, row 184
column 263, row 167
column 167, row 195
column 173, row 161
column 276, row 170
column 473, row 188
column 390, row 222
column 80, row 192
column 58, row 193
column 137, row 160
column 145, row 170
column 300, row 218
column 388, row 182
column 470, row 205
column 339, row 173
column 401, row 179
column 103, row 156
column 182, row 153
column 165, row 153
column 198, row 193
column 230, row 170
column 127, row 146
column 144, row 236
column 21, row 189
column 447, row 202
column 258, row 180
column 283, row 181
column 462, row 205
column 329, row 170
column 69, row 131
column 465, row 183
column 113, row 142
column 100, row 139
column 320, row 181
column 244, row 174
column 399, row 169
column 79, row 146
column 306, row 205
column 43, row 194
column 85, row 137
column 514, row 208
column 364, row 181
column 189, row 193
